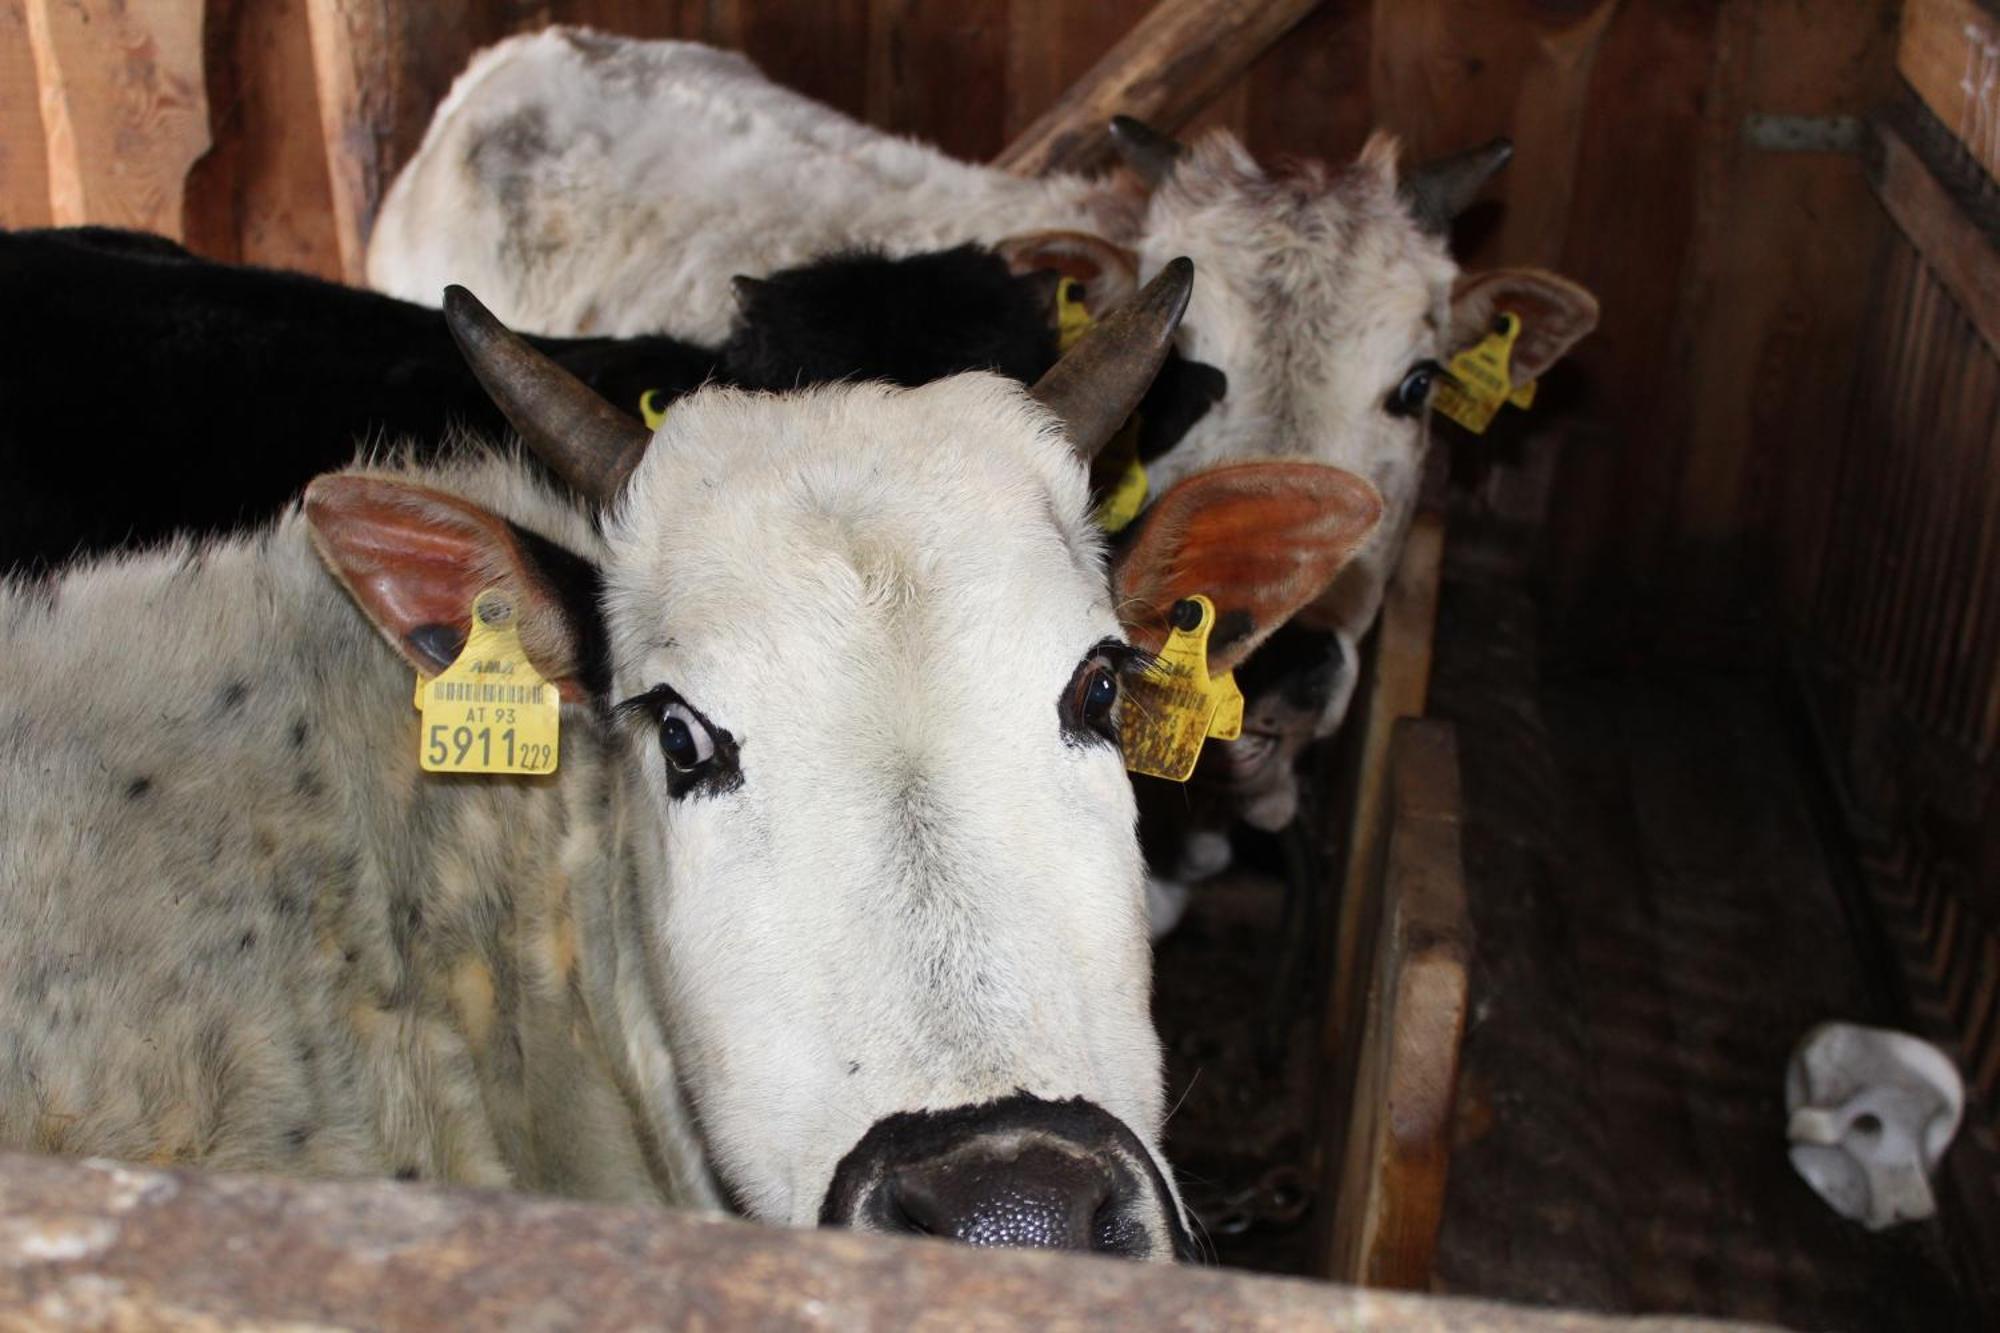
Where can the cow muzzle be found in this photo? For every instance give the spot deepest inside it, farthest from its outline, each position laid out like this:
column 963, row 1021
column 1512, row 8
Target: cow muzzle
column 1020, row 1171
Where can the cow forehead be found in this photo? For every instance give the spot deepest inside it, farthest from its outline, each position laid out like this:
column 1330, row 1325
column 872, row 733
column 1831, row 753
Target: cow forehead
column 948, row 513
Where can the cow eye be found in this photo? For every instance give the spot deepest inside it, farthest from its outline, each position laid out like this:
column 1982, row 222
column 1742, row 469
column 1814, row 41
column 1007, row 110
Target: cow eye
column 1090, row 704
column 1413, row 395
column 684, row 738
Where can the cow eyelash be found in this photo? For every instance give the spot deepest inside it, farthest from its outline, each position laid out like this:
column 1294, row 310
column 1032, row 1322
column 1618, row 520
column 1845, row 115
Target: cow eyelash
column 1412, row 395
column 1088, row 705
column 700, row 758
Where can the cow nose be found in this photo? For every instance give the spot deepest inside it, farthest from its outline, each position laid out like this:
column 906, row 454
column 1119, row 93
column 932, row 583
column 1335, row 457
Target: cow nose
column 1035, row 1196
column 1021, row 1172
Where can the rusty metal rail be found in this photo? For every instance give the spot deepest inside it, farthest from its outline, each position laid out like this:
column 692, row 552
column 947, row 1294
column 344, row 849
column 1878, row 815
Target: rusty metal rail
column 101, row 1246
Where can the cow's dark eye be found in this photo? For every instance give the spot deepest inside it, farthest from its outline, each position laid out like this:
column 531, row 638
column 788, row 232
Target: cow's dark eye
column 1413, row 395
column 1090, row 704
column 684, row 739
column 701, row 758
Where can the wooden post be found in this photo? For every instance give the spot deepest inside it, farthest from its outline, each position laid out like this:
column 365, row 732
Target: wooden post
column 24, row 163
column 352, row 52
column 124, row 108
column 1164, row 71
column 1964, row 260
column 1402, row 680
column 1389, row 1183
column 1950, row 53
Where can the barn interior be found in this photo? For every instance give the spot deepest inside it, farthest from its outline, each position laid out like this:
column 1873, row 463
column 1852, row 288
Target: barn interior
column 1678, row 734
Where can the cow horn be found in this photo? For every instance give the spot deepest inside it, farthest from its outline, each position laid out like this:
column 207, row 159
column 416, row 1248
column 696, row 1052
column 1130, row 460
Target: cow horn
column 587, row 442
column 1094, row 388
column 1439, row 190
column 1147, row 151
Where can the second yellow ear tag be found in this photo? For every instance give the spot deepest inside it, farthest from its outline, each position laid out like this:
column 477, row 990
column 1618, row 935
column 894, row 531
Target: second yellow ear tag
column 1073, row 318
column 653, row 407
column 490, row 711
column 1481, row 379
column 1172, row 707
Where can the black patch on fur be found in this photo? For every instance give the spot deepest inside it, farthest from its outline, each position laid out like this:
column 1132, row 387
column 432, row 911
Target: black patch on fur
column 907, row 321
column 137, row 788
column 300, row 729
column 233, row 694
column 853, row 1068
column 1181, row 395
column 246, row 941
column 298, row 1136
column 406, row 1173
column 307, row 784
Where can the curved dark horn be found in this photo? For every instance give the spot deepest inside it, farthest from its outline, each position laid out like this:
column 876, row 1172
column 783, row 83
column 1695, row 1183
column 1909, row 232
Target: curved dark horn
column 1147, row 151
column 589, row 443
column 1097, row 384
column 1439, row 190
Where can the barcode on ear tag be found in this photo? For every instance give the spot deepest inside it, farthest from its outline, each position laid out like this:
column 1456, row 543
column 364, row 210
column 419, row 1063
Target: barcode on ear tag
column 1174, row 706
column 490, row 711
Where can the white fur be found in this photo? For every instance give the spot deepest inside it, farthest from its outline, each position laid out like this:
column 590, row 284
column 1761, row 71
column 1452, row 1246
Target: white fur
column 589, row 184
column 921, row 894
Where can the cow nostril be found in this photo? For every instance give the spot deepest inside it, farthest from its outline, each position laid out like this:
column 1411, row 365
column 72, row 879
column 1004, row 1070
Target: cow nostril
column 1041, row 1196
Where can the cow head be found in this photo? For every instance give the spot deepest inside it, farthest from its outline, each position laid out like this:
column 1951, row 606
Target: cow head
column 1329, row 298
column 859, row 658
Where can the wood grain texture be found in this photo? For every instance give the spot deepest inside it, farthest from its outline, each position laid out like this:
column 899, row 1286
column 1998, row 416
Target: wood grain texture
column 1950, row 53
column 124, row 108
column 938, row 69
column 24, row 164
column 1961, row 255
column 352, row 48
column 106, row 1246
column 1052, row 43
column 1165, row 70
column 1390, row 1189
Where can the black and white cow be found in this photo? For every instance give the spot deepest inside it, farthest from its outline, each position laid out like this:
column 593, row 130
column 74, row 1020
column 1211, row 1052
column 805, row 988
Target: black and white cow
column 833, row 909
column 217, row 391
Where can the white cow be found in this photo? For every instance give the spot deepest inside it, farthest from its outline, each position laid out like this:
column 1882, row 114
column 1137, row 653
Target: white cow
column 832, row 909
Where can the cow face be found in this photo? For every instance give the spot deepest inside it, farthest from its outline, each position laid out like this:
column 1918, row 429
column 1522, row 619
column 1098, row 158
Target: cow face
column 861, row 664
column 1329, row 299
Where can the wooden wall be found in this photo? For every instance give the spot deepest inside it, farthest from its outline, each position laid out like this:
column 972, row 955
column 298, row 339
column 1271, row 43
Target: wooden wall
column 1732, row 278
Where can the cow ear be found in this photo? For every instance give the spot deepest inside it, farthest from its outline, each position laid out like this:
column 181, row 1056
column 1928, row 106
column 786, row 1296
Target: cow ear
column 414, row 558
column 1109, row 273
column 1555, row 314
column 1260, row 540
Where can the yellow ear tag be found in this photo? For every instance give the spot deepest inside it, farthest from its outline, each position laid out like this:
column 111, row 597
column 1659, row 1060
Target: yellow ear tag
column 1480, row 380
column 1073, row 318
column 1127, row 496
column 653, row 407
column 490, row 711
column 1172, row 707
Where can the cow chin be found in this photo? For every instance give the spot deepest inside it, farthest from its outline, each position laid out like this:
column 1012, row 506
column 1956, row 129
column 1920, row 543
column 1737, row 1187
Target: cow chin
column 1020, row 1171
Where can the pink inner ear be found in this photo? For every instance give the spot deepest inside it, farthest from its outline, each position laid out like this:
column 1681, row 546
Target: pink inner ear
column 1260, row 540
column 409, row 555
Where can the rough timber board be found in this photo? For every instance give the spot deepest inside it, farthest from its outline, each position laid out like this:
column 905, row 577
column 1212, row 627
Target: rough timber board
column 100, row 1245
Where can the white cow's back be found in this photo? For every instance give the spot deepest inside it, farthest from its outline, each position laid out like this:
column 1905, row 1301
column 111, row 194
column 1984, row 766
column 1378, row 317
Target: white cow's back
column 583, row 185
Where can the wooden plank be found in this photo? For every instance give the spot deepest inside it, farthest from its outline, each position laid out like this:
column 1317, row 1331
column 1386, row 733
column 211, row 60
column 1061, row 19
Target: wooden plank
column 24, row 165
column 1954, row 247
column 938, row 69
column 124, row 108
column 1051, row 44
column 1308, row 95
column 1950, row 53
column 107, row 1246
column 1769, row 320
column 353, row 50
column 1547, row 129
column 1390, row 1189
column 1401, row 682
column 1163, row 71
column 819, row 47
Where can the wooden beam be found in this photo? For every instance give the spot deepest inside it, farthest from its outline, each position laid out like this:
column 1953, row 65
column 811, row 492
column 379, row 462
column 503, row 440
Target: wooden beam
column 124, row 108
column 1950, row 53
column 24, row 163
column 105, row 1246
column 1962, row 256
column 1164, row 71
column 1402, row 680
column 1389, row 1191
column 353, row 54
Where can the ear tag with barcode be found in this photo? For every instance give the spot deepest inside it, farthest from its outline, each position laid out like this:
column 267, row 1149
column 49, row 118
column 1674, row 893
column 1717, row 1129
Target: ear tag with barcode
column 1174, row 706
column 490, row 711
column 1480, row 379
